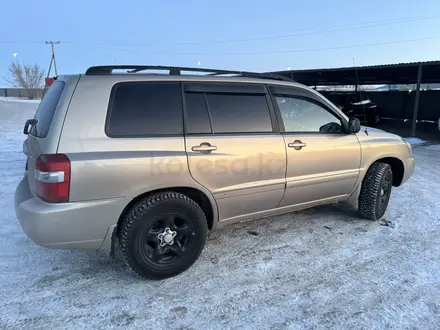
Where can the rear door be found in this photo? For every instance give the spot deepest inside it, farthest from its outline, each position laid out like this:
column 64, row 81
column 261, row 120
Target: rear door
column 44, row 135
column 322, row 160
column 234, row 147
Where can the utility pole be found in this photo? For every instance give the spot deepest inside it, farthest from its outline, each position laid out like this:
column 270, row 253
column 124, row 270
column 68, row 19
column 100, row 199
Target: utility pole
column 53, row 57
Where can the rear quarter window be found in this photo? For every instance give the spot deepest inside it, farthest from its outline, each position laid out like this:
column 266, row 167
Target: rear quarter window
column 142, row 109
column 46, row 110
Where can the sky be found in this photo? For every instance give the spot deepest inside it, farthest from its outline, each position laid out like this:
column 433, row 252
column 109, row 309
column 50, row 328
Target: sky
column 229, row 34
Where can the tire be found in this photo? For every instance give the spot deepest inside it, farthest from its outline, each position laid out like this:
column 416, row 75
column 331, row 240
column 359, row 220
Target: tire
column 375, row 191
column 141, row 247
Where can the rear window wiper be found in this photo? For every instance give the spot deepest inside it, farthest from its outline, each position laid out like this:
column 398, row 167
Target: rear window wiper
column 29, row 124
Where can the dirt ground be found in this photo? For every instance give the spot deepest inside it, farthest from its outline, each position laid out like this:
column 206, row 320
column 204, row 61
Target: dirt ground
column 323, row 268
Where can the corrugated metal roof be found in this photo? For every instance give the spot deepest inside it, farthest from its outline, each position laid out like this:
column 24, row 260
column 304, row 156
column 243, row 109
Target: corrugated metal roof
column 376, row 66
column 399, row 73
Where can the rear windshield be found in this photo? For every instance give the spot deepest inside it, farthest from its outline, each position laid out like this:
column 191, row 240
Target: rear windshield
column 46, row 110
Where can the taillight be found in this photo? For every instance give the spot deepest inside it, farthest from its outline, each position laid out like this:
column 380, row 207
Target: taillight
column 52, row 178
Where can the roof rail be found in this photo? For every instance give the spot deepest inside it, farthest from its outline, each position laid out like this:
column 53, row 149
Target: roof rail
column 176, row 70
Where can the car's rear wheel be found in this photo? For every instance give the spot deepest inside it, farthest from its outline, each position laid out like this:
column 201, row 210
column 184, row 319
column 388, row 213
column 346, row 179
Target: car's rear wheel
column 162, row 235
column 375, row 191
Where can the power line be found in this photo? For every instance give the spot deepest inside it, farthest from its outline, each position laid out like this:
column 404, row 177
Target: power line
column 275, row 52
column 325, row 49
column 21, row 42
column 339, row 28
column 297, row 34
column 313, row 32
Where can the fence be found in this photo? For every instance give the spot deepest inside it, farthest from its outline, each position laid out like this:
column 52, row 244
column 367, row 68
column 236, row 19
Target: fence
column 20, row 92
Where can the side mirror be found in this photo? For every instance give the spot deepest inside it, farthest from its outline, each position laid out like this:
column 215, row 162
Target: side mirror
column 354, row 125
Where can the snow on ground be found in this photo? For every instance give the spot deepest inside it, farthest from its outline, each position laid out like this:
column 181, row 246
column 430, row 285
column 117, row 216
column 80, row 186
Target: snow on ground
column 413, row 140
column 319, row 268
column 19, row 99
column 433, row 147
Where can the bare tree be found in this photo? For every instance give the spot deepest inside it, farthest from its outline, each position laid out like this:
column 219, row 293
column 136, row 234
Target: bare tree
column 27, row 77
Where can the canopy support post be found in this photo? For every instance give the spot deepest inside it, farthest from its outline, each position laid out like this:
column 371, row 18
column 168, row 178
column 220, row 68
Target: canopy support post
column 416, row 102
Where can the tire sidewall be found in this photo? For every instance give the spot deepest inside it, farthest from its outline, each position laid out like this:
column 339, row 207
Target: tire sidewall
column 381, row 210
column 369, row 197
column 146, row 219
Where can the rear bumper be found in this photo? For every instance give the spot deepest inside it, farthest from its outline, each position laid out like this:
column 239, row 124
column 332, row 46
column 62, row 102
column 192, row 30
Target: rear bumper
column 75, row 225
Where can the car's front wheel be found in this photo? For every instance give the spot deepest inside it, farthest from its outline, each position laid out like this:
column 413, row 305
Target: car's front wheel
column 162, row 235
column 375, row 191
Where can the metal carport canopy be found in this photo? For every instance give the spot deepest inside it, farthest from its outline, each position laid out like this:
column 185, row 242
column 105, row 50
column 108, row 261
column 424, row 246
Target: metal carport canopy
column 402, row 73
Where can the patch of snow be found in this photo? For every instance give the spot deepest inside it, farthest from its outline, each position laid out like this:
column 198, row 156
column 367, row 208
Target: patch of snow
column 433, row 147
column 19, row 99
column 321, row 268
column 413, row 140
column 364, row 102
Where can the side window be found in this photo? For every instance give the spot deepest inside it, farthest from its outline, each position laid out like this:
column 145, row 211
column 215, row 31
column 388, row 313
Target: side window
column 145, row 109
column 46, row 110
column 197, row 117
column 301, row 114
column 239, row 113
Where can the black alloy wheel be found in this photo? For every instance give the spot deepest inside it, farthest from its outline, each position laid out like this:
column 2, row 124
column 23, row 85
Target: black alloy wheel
column 168, row 239
column 162, row 235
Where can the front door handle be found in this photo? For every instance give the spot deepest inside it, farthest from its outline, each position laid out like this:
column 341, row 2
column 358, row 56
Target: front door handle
column 297, row 144
column 204, row 148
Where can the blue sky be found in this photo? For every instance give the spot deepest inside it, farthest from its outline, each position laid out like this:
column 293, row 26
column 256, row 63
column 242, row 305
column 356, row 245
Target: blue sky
column 186, row 32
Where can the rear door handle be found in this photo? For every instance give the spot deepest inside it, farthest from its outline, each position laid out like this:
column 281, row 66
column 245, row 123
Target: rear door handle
column 297, row 144
column 204, row 148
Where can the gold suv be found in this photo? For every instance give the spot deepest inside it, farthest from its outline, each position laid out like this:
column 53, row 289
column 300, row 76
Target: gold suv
column 151, row 162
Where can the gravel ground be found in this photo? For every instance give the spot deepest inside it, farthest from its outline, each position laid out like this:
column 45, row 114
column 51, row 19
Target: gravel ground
column 319, row 268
